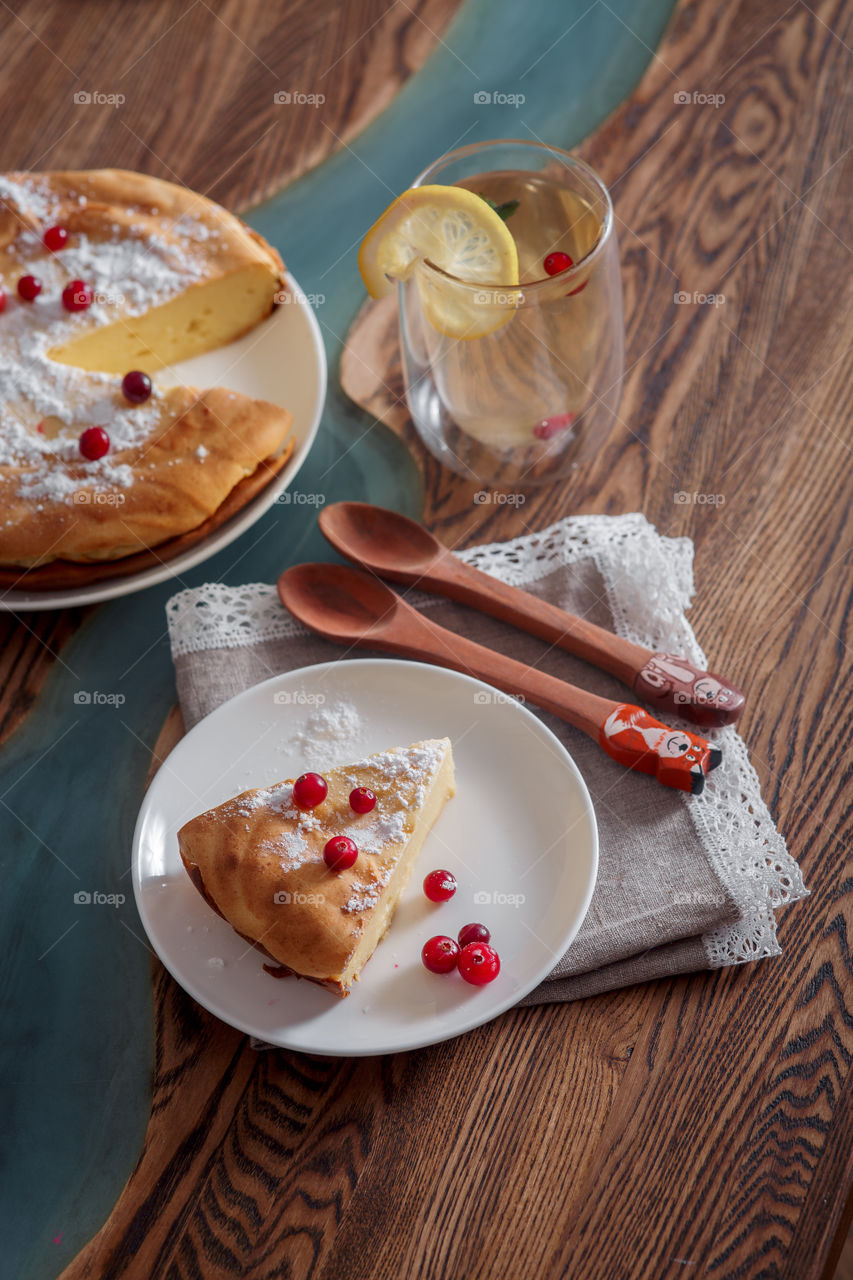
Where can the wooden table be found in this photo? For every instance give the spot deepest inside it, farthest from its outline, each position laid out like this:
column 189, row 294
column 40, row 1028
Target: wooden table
column 693, row 1127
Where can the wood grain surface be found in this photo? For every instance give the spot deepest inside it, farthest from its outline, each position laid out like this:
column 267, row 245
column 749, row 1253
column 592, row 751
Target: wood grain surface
column 170, row 62
column 700, row 1126
column 189, row 74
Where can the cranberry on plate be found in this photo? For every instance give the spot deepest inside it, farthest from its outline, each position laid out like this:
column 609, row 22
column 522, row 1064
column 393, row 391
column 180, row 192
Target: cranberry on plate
column 440, row 954
column 479, row 963
column 440, row 886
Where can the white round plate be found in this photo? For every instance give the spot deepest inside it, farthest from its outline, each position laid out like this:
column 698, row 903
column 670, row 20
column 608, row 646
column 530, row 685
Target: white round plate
column 283, row 360
column 519, row 835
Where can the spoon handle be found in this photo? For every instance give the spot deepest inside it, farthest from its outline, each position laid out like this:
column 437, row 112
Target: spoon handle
column 627, row 733
column 668, row 681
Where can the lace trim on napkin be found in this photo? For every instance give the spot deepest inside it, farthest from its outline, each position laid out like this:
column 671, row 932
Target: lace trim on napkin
column 648, row 581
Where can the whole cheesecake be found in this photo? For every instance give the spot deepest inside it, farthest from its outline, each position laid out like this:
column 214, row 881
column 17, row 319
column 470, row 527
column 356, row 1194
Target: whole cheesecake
column 135, row 274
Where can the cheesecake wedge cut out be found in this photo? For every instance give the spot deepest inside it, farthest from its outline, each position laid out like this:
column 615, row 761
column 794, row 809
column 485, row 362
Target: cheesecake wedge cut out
column 258, row 860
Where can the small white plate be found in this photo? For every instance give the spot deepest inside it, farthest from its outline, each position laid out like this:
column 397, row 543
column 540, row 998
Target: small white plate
column 283, row 360
column 519, row 835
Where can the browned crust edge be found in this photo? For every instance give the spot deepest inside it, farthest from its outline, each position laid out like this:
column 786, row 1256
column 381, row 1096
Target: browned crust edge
column 194, row 873
column 66, row 574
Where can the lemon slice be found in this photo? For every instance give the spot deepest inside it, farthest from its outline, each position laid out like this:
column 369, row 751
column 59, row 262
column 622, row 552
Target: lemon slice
column 457, row 231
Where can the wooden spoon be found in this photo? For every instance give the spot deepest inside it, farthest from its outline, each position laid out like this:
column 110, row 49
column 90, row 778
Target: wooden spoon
column 402, row 550
column 354, row 608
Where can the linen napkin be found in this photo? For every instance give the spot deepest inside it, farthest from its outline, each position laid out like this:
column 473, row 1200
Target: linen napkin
column 685, row 882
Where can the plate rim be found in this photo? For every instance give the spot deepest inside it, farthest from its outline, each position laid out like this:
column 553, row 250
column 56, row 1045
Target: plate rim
column 471, row 1022
column 218, row 539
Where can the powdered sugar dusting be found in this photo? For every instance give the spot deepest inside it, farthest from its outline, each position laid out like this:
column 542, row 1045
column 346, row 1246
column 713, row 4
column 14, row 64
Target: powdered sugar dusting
column 419, row 763
column 291, row 847
column 279, row 796
column 34, row 198
column 326, row 732
column 364, row 897
column 128, row 274
column 378, row 829
column 296, row 836
column 362, row 900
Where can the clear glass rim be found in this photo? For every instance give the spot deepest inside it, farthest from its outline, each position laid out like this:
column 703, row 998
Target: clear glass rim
column 582, row 266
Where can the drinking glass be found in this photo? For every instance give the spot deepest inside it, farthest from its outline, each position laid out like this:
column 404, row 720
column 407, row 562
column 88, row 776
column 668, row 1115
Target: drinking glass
column 534, row 395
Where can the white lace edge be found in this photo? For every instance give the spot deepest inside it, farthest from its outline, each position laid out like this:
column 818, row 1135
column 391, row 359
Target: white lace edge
column 648, row 581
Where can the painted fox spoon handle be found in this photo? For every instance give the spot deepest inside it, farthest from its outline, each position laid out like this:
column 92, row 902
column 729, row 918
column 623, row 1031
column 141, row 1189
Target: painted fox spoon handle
column 353, row 608
column 402, row 550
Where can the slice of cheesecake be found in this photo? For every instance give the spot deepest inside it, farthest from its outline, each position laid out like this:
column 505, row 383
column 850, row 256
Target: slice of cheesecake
column 258, row 860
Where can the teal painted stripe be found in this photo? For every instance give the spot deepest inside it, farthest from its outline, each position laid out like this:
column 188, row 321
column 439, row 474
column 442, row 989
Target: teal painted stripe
column 76, row 1051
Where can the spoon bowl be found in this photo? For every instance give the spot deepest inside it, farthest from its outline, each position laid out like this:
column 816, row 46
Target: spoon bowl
column 383, row 540
column 340, row 603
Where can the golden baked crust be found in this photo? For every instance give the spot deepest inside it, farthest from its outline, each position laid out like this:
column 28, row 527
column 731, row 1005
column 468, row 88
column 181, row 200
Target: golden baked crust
column 173, row 490
column 64, row 575
column 258, row 860
column 172, row 274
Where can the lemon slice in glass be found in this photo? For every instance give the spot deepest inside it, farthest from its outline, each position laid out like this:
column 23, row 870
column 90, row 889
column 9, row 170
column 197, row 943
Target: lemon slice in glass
column 456, row 231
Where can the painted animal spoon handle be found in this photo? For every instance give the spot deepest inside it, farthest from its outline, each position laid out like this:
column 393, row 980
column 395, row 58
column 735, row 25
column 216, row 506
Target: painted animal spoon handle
column 352, row 608
column 669, row 682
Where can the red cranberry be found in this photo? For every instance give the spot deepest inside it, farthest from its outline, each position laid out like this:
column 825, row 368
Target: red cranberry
column 136, row 386
column 2, row 300
column 557, row 262
column 29, row 287
column 76, row 296
column 439, row 886
column 309, row 790
column 440, row 954
column 94, row 443
column 548, row 427
column 340, row 852
column 55, row 238
column 473, row 933
column 361, row 799
column 479, row 963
